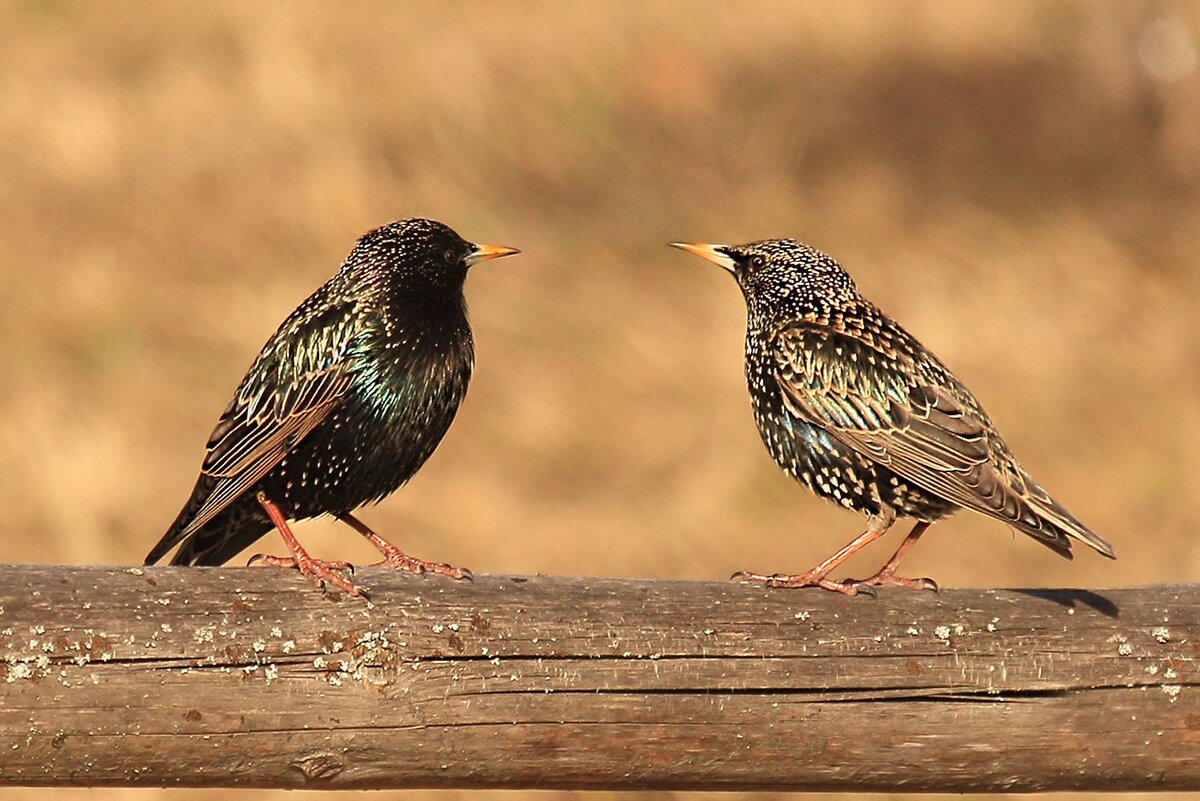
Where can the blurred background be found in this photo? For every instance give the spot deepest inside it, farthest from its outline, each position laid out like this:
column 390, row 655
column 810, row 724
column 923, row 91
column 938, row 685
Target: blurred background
column 1016, row 182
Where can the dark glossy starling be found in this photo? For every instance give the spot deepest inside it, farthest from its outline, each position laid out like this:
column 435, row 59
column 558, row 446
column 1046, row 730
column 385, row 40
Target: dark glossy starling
column 856, row 409
column 343, row 405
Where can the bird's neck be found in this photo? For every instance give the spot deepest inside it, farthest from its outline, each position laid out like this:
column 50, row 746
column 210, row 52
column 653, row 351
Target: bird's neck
column 434, row 325
column 449, row 305
column 764, row 319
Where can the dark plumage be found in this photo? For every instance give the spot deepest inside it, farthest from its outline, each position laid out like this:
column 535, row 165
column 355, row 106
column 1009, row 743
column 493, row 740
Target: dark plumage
column 343, row 405
column 857, row 410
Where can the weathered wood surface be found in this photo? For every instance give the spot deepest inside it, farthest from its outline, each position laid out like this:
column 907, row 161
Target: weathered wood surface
column 249, row 677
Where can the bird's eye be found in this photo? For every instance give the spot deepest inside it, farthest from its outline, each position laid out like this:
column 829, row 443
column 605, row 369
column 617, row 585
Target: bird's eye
column 450, row 256
column 757, row 262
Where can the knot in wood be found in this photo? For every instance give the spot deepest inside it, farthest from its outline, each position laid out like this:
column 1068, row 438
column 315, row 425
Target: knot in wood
column 319, row 766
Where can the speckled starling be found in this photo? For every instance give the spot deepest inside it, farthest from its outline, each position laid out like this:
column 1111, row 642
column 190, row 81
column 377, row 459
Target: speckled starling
column 343, row 405
column 856, row 409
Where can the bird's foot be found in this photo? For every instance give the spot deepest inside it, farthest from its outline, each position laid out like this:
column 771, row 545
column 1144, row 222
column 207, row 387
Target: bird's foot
column 886, row 578
column 318, row 571
column 809, row 579
column 395, row 559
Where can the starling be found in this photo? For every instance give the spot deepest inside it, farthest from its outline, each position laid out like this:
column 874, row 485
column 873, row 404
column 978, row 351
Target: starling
column 856, row 409
column 343, row 405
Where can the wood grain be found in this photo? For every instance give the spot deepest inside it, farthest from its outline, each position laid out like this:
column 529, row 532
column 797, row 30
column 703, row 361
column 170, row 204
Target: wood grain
column 249, row 677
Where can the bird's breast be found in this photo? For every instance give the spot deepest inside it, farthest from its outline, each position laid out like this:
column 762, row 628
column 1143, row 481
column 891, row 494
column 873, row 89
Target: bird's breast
column 401, row 403
column 415, row 383
column 808, row 453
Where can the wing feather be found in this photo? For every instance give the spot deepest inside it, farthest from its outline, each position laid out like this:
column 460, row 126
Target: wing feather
column 871, row 395
column 248, row 449
column 293, row 385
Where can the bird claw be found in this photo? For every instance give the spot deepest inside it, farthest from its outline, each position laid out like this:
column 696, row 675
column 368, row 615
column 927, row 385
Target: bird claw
column 789, row 581
column 860, row 588
column 262, row 559
column 398, row 560
column 883, row 579
column 319, row 572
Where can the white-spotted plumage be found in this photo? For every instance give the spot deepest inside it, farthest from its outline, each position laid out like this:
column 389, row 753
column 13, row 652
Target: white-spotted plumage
column 856, row 409
column 346, row 400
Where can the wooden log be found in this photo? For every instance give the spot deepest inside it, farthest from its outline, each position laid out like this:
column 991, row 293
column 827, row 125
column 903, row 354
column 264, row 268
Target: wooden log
column 249, row 677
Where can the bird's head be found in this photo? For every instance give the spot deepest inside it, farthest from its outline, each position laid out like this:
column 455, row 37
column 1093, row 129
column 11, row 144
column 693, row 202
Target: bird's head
column 419, row 255
column 779, row 276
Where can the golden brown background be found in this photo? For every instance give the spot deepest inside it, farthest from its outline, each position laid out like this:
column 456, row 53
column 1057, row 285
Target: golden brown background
column 1016, row 182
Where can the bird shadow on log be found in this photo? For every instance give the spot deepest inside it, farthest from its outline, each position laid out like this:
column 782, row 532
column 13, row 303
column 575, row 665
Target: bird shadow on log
column 1073, row 598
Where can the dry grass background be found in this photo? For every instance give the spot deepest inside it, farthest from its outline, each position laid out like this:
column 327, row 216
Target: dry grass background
column 1016, row 182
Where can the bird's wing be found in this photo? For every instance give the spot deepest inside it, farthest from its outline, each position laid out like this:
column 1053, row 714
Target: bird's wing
column 291, row 388
column 870, row 396
column 248, row 442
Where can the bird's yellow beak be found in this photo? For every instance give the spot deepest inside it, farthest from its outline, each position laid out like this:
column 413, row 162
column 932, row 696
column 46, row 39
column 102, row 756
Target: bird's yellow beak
column 714, row 253
column 485, row 252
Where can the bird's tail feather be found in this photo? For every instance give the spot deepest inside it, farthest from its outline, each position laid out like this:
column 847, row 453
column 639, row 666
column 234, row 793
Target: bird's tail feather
column 217, row 541
column 1055, row 527
column 212, row 548
column 169, row 540
column 178, row 530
